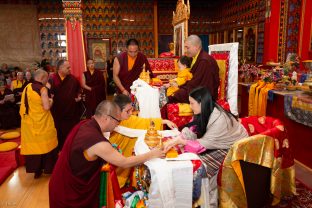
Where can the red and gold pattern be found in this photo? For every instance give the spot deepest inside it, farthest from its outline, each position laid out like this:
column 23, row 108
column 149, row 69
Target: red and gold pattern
column 164, row 68
column 267, row 146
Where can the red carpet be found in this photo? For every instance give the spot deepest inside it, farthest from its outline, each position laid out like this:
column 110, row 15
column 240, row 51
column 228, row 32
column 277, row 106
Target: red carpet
column 302, row 200
column 8, row 162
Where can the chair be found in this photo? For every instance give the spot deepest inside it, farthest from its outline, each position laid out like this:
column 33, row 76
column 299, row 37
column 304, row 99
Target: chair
column 259, row 169
column 226, row 56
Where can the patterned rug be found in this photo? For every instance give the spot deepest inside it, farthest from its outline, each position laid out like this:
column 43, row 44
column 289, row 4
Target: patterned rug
column 302, row 200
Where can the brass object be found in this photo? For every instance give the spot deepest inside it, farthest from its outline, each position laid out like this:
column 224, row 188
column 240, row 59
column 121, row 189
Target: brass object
column 145, row 75
column 152, row 138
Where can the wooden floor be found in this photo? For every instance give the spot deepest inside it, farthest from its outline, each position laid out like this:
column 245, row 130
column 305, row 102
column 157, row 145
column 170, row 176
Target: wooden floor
column 22, row 190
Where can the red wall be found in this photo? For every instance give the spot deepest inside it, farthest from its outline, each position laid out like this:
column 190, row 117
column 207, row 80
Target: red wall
column 306, row 31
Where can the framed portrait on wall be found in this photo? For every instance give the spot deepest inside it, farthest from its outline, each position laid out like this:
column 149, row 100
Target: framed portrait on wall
column 179, row 39
column 98, row 49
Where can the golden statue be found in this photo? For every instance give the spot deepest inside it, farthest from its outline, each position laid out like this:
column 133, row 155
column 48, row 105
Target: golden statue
column 145, row 75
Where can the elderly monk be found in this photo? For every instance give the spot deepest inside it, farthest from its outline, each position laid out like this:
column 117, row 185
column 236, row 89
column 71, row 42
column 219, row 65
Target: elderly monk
column 93, row 84
column 38, row 134
column 128, row 66
column 204, row 69
column 65, row 89
column 76, row 178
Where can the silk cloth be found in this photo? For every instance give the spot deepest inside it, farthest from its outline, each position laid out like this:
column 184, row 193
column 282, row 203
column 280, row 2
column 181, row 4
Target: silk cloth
column 171, row 182
column 75, row 48
column 299, row 108
column 148, row 99
column 270, row 149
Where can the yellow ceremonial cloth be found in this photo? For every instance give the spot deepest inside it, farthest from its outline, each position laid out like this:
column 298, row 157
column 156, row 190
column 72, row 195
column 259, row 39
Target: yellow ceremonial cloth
column 126, row 144
column 256, row 102
column 17, row 84
column 130, row 62
column 194, row 59
column 184, row 75
column 251, row 99
column 258, row 149
column 263, row 96
column 38, row 134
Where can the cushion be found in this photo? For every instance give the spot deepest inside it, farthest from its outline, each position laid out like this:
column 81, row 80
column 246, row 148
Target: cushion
column 10, row 135
column 7, row 146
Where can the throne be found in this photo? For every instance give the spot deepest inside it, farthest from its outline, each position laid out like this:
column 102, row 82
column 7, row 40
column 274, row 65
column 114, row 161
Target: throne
column 226, row 56
column 258, row 170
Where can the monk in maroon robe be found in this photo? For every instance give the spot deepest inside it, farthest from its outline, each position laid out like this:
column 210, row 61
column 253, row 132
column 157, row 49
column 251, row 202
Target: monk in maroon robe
column 75, row 180
column 128, row 66
column 65, row 89
column 205, row 72
column 94, row 84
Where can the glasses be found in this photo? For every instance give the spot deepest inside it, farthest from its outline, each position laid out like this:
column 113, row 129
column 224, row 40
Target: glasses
column 118, row 121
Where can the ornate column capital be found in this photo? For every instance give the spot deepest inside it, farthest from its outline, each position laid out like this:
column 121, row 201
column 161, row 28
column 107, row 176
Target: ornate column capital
column 72, row 11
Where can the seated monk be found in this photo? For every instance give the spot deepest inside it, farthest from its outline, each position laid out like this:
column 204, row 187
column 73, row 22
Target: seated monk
column 125, row 143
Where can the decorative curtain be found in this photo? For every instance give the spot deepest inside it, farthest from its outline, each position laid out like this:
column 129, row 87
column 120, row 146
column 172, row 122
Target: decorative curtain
column 75, row 44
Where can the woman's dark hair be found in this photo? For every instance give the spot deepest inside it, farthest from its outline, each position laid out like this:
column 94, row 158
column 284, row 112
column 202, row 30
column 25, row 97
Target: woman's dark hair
column 132, row 41
column 122, row 100
column 187, row 61
column 203, row 96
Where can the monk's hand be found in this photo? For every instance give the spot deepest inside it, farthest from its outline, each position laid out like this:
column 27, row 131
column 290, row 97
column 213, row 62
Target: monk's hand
column 170, row 124
column 166, row 85
column 158, row 153
column 170, row 143
column 125, row 92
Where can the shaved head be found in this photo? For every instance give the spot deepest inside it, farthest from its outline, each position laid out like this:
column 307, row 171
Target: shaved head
column 192, row 46
column 107, row 107
column 194, row 40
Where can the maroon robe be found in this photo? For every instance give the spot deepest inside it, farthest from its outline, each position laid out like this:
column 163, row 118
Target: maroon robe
column 65, row 110
column 205, row 74
column 9, row 116
column 75, row 182
column 128, row 77
column 97, row 94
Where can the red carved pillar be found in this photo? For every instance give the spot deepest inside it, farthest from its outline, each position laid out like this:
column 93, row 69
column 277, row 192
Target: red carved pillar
column 75, row 45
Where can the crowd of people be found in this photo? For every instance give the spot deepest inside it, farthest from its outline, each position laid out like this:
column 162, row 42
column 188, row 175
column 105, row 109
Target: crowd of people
column 55, row 138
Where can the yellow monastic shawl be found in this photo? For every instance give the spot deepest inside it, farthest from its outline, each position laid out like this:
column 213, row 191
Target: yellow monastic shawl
column 17, row 84
column 251, row 99
column 256, row 102
column 38, row 134
column 126, row 144
column 263, row 96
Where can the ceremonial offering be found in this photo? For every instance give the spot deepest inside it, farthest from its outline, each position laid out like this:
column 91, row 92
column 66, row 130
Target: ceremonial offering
column 152, row 138
column 145, row 75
